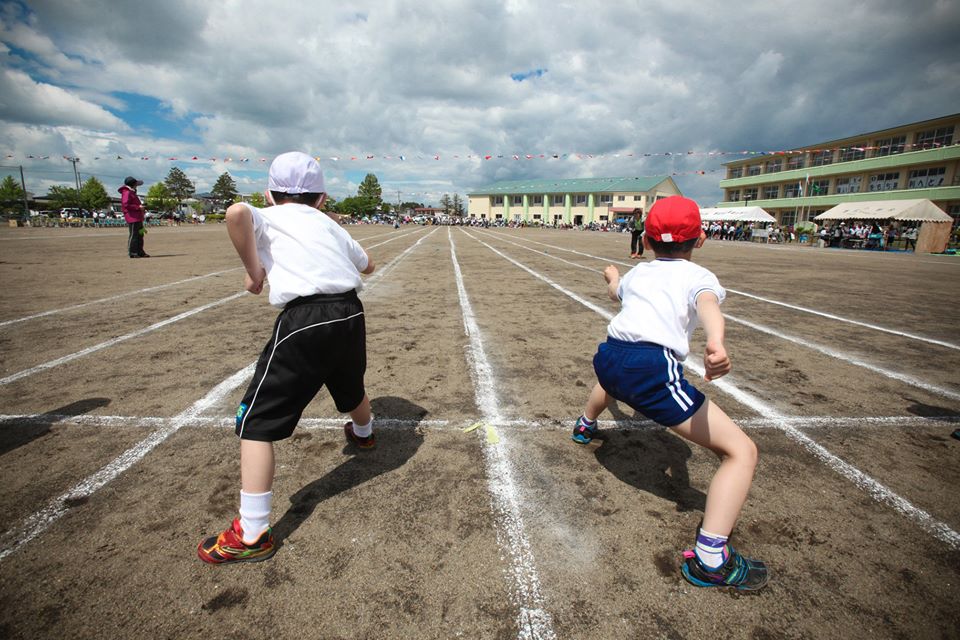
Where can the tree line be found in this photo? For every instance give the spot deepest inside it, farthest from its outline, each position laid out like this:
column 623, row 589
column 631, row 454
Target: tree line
column 168, row 196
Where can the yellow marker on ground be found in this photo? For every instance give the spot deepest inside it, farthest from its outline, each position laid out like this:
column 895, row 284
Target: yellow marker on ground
column 492, row 437
column 474, row 426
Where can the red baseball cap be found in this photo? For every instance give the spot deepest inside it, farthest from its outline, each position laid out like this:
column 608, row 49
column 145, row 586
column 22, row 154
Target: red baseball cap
column 673, row 219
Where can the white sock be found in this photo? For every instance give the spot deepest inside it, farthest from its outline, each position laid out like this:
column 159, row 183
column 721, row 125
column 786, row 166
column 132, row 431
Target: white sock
column 710, row 549
column 254, row 514
column 363, row 430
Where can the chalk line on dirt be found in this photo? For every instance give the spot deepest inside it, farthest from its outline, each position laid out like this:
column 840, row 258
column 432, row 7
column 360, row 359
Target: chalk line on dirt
column 877, row 490
column 533, row 620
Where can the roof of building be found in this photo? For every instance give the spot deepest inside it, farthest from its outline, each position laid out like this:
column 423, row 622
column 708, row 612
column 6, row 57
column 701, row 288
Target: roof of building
column 909, row 210
column 574, row 185
column 735, row 214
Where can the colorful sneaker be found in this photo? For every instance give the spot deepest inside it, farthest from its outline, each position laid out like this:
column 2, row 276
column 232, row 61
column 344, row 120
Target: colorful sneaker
column 364, row 443
column 229, row 547
column 743, row 574
column 583, row 432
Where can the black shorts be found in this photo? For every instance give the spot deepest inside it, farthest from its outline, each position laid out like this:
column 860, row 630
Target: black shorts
column 317, row 340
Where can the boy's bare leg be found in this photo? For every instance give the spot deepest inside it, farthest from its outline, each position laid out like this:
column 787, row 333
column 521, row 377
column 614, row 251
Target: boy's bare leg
column 710, row 427
column 596, row 403
column 362, row 414
column 256, row 466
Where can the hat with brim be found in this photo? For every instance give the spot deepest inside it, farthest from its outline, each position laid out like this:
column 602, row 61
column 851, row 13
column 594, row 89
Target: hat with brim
column 130, row 181
column 673, row 219
column 295, row 172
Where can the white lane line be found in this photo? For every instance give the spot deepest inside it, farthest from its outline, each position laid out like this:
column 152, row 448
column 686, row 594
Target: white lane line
column 109, row 343
column 563, row 423
column 878, row 491
column 777, row 333
column 115, row 297
column 39, row 521
column 533, row 620
column 387, row 268
column 866, row 325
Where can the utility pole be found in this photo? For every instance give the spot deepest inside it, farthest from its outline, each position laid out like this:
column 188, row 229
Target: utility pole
column 76, row 177
column 398, row 202
column 26, row 206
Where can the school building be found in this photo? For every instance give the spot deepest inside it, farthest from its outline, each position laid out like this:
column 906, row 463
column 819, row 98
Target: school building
column 912, row 161
column 575, row 202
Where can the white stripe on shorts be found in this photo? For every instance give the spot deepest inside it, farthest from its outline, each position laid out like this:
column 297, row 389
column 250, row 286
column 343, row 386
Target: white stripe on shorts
column 673, row 383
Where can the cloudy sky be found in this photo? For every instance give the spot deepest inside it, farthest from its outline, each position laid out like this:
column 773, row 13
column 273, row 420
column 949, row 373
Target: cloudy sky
column 448, row 82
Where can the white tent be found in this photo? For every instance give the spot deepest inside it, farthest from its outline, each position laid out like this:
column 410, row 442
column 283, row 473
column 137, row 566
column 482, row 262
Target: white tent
column 905, row 210
column 735, row 214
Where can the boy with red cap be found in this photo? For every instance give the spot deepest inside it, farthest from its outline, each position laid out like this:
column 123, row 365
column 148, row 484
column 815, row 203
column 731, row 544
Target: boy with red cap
column 318, row 339
column 639, row 365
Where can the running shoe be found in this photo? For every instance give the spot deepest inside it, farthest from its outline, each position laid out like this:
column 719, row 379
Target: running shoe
column 352, row 438
column 229, row 547
column 583, row 433
column 743, row 574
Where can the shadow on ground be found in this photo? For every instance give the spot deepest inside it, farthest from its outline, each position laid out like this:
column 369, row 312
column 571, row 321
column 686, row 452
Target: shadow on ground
column 650, row 459
column 395, row 446
column 16, row 432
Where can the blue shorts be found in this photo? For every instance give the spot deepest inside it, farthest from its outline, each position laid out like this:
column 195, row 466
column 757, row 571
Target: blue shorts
column 649, row 378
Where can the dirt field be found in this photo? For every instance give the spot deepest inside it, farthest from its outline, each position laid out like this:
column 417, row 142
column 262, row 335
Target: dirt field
column 119, row 379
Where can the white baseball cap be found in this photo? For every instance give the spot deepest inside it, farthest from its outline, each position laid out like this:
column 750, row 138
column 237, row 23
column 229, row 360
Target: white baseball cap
column 295, row 172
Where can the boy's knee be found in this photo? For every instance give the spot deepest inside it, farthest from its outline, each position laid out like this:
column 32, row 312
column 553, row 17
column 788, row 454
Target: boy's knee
column 747, row 452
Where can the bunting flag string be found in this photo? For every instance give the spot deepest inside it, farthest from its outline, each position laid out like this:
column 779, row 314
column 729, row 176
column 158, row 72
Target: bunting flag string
column 491, row 156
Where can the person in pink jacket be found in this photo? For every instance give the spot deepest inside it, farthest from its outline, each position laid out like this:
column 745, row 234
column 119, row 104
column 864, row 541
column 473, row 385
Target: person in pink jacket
column 133, row 213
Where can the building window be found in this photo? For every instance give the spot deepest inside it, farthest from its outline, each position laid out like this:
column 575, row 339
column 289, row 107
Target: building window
column 736, row 172
column 557, row 218
column 606, row 198
column 621, row 198
column 753, row 170
column 603, row 218
column 750, row 194
column 850, row 154
column 884, row 181
column 889, row 146
column 821, row 158
column 819, row 187
column 733, row 195
column 581, row 200
column 924, row 178
column 516, row 217
column 661, row 198
column 498, row 201
column 516, row 200
column 849, row 185
column 774, row 166
column 941, row 137
column 788, row 218
column 499, row 216
column 637, row 198
column 792, row 190
column 558, row 200
column 795, row 162
column 538, row 200
column 771, row 192
column 536, row 216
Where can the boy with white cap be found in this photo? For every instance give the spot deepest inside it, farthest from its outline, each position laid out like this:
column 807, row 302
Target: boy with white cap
column 639, row 365
column 318, row 339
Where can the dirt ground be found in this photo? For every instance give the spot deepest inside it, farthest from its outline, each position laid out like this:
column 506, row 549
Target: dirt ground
column 117, row 453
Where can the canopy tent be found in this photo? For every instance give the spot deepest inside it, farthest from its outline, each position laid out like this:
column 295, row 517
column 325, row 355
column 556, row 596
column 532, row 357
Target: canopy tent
column 934, row 224
column 903, row 210
column 735, row 214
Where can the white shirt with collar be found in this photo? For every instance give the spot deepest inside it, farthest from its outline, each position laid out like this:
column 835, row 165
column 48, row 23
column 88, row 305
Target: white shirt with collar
column 304, row 252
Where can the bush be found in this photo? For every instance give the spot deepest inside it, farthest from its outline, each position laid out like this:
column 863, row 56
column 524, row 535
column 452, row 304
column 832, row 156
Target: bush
column 215, row 217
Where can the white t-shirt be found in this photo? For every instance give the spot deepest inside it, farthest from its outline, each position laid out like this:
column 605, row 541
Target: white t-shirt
column 659, row 303
column 305, row 252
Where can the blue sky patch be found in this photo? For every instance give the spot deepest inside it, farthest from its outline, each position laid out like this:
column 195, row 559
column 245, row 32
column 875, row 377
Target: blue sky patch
column 148, row 115
column 526, row 75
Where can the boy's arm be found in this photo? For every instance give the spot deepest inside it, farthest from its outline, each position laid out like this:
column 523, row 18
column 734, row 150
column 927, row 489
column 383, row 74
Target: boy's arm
column 240, row 229
column 612, row 276
column 715, row 360
column 370, row 265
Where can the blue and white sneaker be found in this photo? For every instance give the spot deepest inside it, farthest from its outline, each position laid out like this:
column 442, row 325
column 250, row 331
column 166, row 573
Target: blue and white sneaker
column 583, row 432
column 743, row 574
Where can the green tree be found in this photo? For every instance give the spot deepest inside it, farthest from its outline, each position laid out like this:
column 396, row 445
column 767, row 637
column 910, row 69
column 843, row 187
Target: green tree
column 357, row 206
column 62, row 196
column 446, row 203
column 179, row 185
column 93, row 195
column 159, row 198
column 457, row 205
column 257, row 199
column 11, row 196
column 331, row 204
column 370, row 188
column 224, row 190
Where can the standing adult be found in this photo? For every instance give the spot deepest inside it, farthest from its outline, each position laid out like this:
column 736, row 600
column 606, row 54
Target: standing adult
column 133, row 214
column 910, row 236
column 636, row 235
